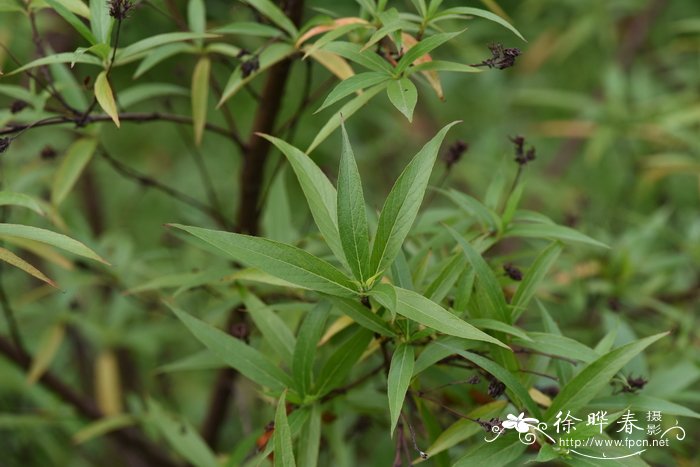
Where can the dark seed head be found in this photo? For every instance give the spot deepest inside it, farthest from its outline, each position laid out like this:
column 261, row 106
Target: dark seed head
column 48, row 153
column 454, row 153
column 17, row 106
column 250, row 66
column 496, row 388
column 488, row 425
column 120, row 9
column 513, row 272
column 4, row 144
column 635, row 384
column 240, row 331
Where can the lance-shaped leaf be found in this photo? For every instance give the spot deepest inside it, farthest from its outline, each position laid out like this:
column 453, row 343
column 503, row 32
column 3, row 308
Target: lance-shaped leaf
column 450, row 12
column 591, row 380
column 200, row 96
column 76, row 159
column 418, row 308
column 352, row 217
column 139, row 48
column 73, row 20
column 353, row 84
column 12, row 198
column 235, row 353
column 14, row 260
column 100, row 21
column 341, row 362
column 274, row 14
column 363, row 316
column 487, row 285
column 422, row 48
column 105, row 97
column 284, row 451
column 533, row 277
column 402, row 204
column 404, row 95
column 272, row 327
column 552, row 231
column 319, row 192
column 400, row 374
column 48, row 347
column 305, row 349
column 51, row 238
column 278, row 259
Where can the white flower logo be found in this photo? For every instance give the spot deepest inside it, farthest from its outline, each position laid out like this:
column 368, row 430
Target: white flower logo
column 520, row 423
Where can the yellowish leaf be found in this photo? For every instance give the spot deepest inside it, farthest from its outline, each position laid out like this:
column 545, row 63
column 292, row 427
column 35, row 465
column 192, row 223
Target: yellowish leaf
column 105, row 97
column 107, row 384
column 316, row 30
column 50, row 343
column 431, row 75
column 16, row 261
column 200, row 95
column 332, row 62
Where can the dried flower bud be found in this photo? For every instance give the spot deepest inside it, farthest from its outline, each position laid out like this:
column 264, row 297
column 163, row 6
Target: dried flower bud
column 250, row 66
column 17, row 106
column 454, row 153
column 120, row 9
column 489, row 425
column 4, row 144
column 513, row 272
column 474, row 380
column 242, row 53
column 500, row 58
column 496, row 388
column 522, row 157
column 635, row 384
column 48, row 153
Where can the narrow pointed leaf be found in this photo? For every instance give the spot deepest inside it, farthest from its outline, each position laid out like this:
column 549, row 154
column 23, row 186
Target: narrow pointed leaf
column 73, row 20
column 48, row 347
column 400, row 373
column 591, row 380
column 51, row 238
column 11, row 198
column 418, row 308
column 352, row 216
column 310, row 333
column 422, row 48
column 481, row 14
column 76, row 159
column 341, row 361
column 485, row 280
column 404, row 95
column 353, row 84
column 200, row 96
column 105, row 97
column 402, row 204
column 235, row 353
column 272, row 327
column 319, row 192
column 284, row 451
column 278, row 259
column 553, row 232
column 363, row 316
column 14, row 260
column 533, row 278
column 100, row 21
column 274, row 14
column 310, row 438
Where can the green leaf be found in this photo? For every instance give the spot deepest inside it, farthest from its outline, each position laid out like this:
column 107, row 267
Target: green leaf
column 20, row 199
column 591, row 380
column 200, row 97
column 643, row 403
column 310, row 438
column 486, row 283
column 278, row 259
column 500, row 453
column 248, row 29
column 441, row 65
column 353, row 84
column 418, row 308
column 533, row 278
column 404, row 95
column 487, row 217
column 464, row 428
column 402, row 204
column 400, row 373
column 100, row 21
column 141, row 92
column 353, row 52
column 555, row 344
column 76, row 159
column 305, row 349
column 481, row 14
column 202, row 360
column 284, row 451
column 319, row 192
column 346, row 111
column 197, row 17
column 363, row 316
column 236, row 354
column 14, row 260
column 272, row 54
column 157, row 56
column 503, row 375
column 553, row 232
column 274, row 14
column 272, row 327
column 64, row 57
column 182, row 437
column 352, row 217
column 102, row 427
column 342, row 361
column 73, row 20
column 137, row 49
column 50, row 238
column 104, row 96
column 494, row 325
column 423, row 47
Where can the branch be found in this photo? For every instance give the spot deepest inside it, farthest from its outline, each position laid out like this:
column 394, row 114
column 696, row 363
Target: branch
column 126, row 116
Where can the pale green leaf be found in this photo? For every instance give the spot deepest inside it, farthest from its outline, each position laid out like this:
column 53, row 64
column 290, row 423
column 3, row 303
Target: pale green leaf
column 200, row 95
column 310, row 333
column 74, row 162
column 284, row 451
column 274, row 14
column 105, row 97
column 553, row 232
column 51, row 238
column 533, row 277
column 49, row 344
column 400, row 373
column 100, row 21
column 73, row 20
column 404, row 95
column 14, row 260
column 479, row 13
column 353, row 84
column 10, row 198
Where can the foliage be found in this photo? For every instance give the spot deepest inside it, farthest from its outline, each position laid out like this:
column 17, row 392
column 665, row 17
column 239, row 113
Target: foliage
column 226, row 247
